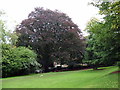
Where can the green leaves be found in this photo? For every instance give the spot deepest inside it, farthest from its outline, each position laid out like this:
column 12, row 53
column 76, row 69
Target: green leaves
column 104, row 39
column 17, row 59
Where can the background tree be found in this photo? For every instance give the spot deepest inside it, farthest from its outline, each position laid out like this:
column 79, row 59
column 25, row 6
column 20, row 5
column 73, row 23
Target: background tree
column 2, row 29
column 51, row 34
column 6, row 36
column 95, row 49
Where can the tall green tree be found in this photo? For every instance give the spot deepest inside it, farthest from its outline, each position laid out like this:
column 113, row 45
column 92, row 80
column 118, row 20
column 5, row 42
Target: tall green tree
column 104, row 38
column 111, row 32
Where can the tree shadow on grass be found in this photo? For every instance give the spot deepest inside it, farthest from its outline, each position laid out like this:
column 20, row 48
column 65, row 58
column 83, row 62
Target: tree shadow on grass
column 115, row 72
column 98, row 69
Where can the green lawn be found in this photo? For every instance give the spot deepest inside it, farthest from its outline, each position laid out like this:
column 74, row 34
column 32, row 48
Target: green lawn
column 69, row 79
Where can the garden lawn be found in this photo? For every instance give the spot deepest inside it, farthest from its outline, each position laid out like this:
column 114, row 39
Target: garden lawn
column 69, row 79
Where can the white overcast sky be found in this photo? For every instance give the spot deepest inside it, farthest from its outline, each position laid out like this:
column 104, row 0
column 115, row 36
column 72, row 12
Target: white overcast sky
column 78, row 10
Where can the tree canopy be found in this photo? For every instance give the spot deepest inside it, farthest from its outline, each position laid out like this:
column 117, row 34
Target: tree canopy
column 104, row 39
column 53, row 35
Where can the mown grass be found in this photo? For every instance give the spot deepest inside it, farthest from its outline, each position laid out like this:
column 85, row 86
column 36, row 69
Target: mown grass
column 69, row 79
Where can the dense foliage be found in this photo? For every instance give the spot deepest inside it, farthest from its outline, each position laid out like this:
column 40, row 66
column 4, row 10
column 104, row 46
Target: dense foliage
column 104, row 39
column 53, row 35
column 18, row 61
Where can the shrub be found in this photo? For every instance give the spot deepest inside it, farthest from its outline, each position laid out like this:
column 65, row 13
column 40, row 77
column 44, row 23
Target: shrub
column 18, row 61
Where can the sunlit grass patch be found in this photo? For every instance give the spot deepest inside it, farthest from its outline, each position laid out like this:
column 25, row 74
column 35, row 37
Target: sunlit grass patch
column 70, row 79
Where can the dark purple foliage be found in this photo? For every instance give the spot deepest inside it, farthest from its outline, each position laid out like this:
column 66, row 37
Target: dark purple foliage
column 53, row 35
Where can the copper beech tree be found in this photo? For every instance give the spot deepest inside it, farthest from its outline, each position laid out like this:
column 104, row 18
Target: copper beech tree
column 53, row 35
